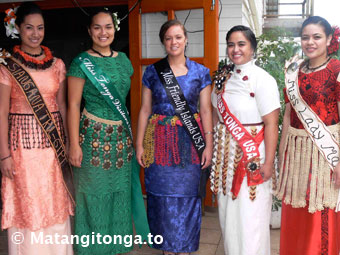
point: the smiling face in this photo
(32, 31)
(174, 41)
(102, 30)
(239, 48)
(314, 42)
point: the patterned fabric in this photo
(163, 136)
(103, 182)
(36, 198)
(321, 91)
(181, 214)
(172, 190)
(309, 233)
(302, 231)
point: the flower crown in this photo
(10, 23)
(334, 44)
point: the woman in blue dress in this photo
(165, 150)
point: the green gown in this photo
(103, 182)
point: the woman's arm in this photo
(75, 91)
(61, 101)
(215, 118)
(206, 115)
(6, 165)
(144, 113)
(271, 134)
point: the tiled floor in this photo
(210, 242)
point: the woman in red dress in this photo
(307, 185)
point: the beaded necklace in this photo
(35, 55)
(32, 62)
(103, 56)
(312, 69)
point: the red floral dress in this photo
(321, 91)
(301, 231)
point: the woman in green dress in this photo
(101, 148)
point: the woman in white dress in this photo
(246, 102)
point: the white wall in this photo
(239, 12)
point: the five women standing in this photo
(101, 149)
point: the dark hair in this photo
(318, 21)
(96, 11)
(26, 9)
(246, 32)
(167, 25)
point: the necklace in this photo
(312, 69)
(35, 55)
(31, 62)
(103, 56)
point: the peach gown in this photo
(35, 200)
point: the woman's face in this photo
(314, 41)
(32, 31)
(102, 30)
(174, 41)
(239, 48)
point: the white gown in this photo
(250, 93)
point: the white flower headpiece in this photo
(9, 20)
(116, 21)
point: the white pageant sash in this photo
(316, 129)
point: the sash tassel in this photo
(25, 129)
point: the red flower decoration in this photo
(245, 78)
(252, 94)
(238, 70)
(334, 45)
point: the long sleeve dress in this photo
(309, 224)
(36, 199)
(173, 167)
(103, 182)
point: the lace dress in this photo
(36, 197)
(103, 182)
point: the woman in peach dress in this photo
(35, 200)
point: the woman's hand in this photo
(336, 176)
(266, 171)
(139, 155)
(7, 168)
(206, 157)
(75, 155)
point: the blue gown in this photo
(173, 207)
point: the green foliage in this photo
(274, 48)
